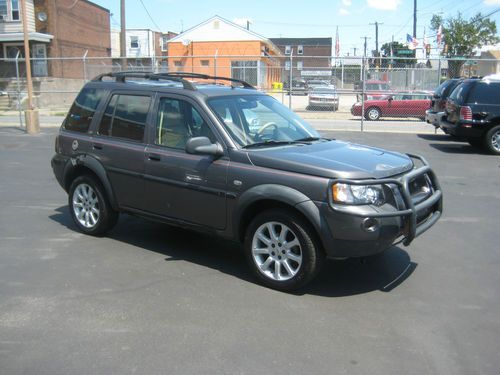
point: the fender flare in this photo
(281, 194)
(97, 168)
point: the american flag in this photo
(412, 42)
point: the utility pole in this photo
(123, 35)
(365, 38)
(376, 34)
(31, 114)
(414, 18)
(354, 48)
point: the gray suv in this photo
(233, 161)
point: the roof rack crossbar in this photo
(206, 76)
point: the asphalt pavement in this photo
(149, 298)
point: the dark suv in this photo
(435, 113)
(473, 113)
(235, 162)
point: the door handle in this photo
(154, 157)
(97, 146)
(192, 177)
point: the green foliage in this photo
(396, 46)
(464, 36)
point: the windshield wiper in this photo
(271, 143)
(311, 139)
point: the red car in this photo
(396, 105)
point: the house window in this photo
(300, 64)
(164, 40)
(216, 24)
(300, 50)
(10, 50)
(287, 65)
(177, 63)
(205, 62)
(288, 49)
(14, 8)
(134, 42)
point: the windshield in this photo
(256, 119)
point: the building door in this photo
(39, 60)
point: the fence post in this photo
(19, 91)
(215, 63)
(342, 71)
(290, 79)
(439, 71)
(363, 73)
(85, 66)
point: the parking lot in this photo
(149, 298)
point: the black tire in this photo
(308, 250)
(492, 140)
(106, 218)
(373, 114)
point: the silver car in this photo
(324, 97)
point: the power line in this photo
(149, 15)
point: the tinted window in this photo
(177, 122)
(82, 111)
(485, 93)
(125, 117)
(458, 94)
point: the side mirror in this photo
(203, 146)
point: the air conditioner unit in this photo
(3, 17)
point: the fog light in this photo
(370, 225)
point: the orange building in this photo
(222, 48)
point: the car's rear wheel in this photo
(90, 207)
(282, 251)
(492, 140)
(372, 114)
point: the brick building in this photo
(221, 47)
(312, 57)
(78, 28)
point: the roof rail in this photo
(173, 76)
(121, 77)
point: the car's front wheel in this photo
(492, 140)
(90, 207)
(282, 250)
(372, 114)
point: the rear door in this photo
(119, 144)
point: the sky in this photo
(312, 18)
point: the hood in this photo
(333, 159)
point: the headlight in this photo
(358, 194)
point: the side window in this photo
(178, 121)
(125, 117)
(82, 111)
(485, 93)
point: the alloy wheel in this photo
(86, 205)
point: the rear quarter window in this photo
(82, 111)
(485, 93)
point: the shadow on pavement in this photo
(383, 272)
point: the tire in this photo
(89, 206)
(289, 259)
(372, 114)
(492, 140)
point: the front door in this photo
(39, 60)
(179, 185)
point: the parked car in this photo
(412, 104)
(185, 155)
(313, 83)
(324, 97)
(435, 113)
(299, 87)
(473, 113)
(374, 90)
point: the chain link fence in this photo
(349, 89)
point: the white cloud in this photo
(384, 4)
(491, 2)
(348, 3)
(343, 12)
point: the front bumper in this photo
(346, 233)
(433, 118)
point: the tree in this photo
(463, 36)
(398, 61)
